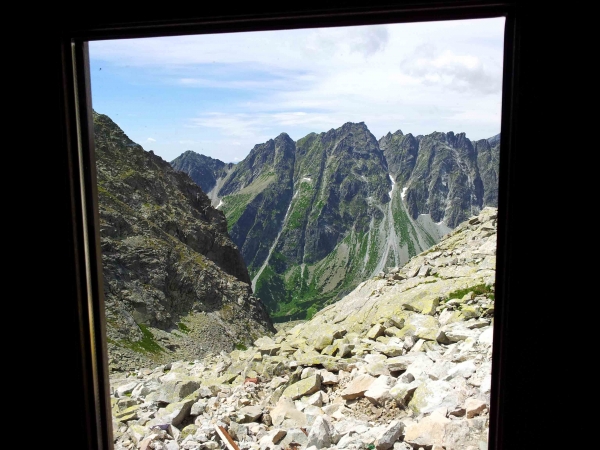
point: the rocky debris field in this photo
(403, 362)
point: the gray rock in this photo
(320, 433)
(390, 435)
(357, 387)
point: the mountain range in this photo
(315, 217)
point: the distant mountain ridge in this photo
(204, 170)
(315, 217)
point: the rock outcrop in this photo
(175, 284)
(402, 362)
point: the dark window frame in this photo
(86, 335)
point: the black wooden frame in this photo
(83, 357)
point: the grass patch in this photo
(480, 289)
(183, 328)
(300, 206)
(234, 206)
(310, 312)
(146, 345)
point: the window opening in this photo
(253, 184)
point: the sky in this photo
(221, 94)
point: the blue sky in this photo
(221, 94)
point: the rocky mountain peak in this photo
(353, 126)
(284, 136)
(390, 136)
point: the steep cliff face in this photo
(488, 161)
(445, 181)
(401, 153)
(175, 283)
(256, 197)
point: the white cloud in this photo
(238, 125)
(370, 41)
(242, 89)
(463, 73)
(151, 140)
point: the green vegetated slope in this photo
(299, 291)
(315, 217)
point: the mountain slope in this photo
(314, 218)
(175, 284)
(404, 362)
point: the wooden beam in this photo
(225, 437)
